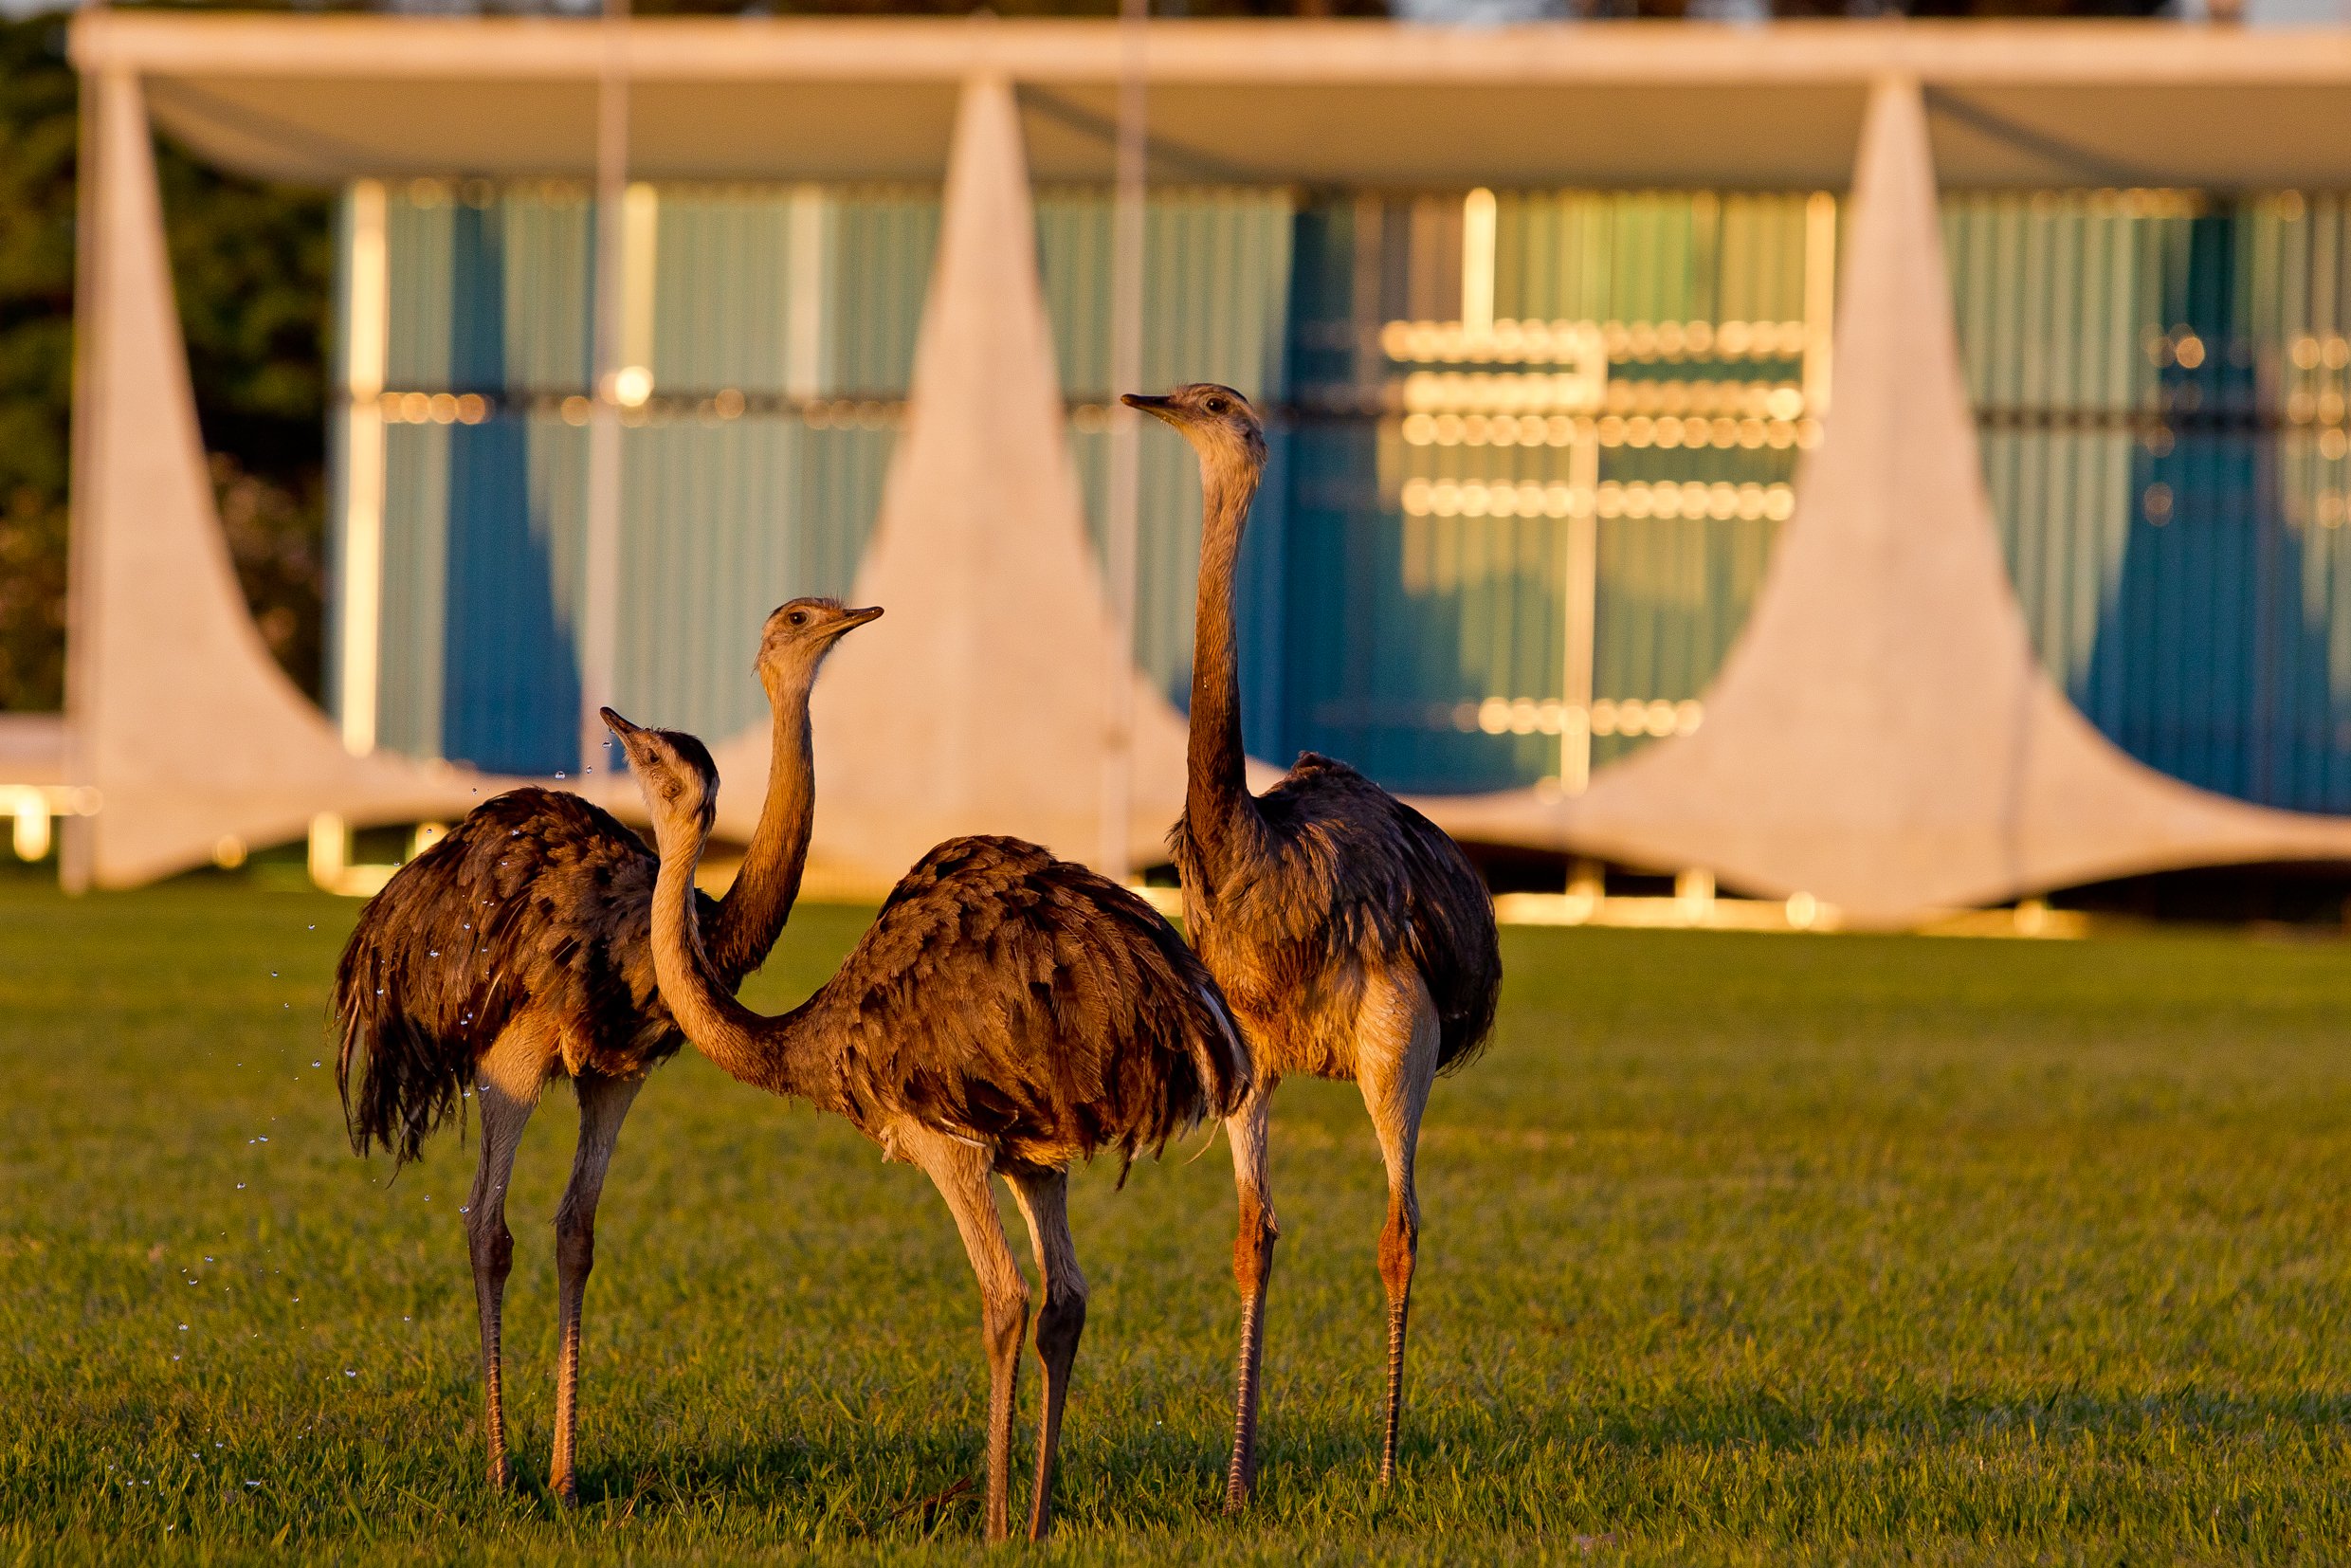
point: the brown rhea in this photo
(1005, 1012)
(1351, 936)
(517, 951)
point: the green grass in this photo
(1737, 1250)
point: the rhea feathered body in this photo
(1008, 998)
(1008, 1013)
(517, 949)
(537, 903)
(1353, 938)
(1338, 880)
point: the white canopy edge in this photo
(1344, 103)
(1234, 53)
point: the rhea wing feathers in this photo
(1026, 1003)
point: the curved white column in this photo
(1882, 736)
(978, 703)
(178, 716)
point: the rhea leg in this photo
(506, 1101)
(960, 1174)
(1395, 1062)
(603, 1105)
(1253, 1271)
(1045, 1204)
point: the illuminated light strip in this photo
(432, 408)
(33, 805)
(1773, 503)
(1477, 265)
(2333, 351)
(1618, 716)
(368, 331)
(1449, 498)
(1578, 342)
(2302, 407)
(1487, 392)
(640, 218)
(1640, 430)
(841, 414)
(1516, 392)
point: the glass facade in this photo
(1530, 453)
(2160, 378)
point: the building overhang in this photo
(324, 99)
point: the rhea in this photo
(516, 951)
(1005, 1012)
(1350, 936)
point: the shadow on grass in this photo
(907, 1487)
(1763, 1417)
(932, 1489)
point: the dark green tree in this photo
(253, 267)
(36, 359)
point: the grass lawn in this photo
(1737, 1250)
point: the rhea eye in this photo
(799, 617)
(1215, 405)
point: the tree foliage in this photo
(253, 268)
(37, 137)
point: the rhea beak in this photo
(853, 619)
(1159, 408)
(619, 727)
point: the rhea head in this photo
(799, 634)
(679, 780)
(1218, 422)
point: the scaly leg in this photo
(1253, 1271)
(603, 1105)
(960, 1174)
(506, 1099)
(1395, 1062)
(1045, 1204)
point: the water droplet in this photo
(348, 1373)
(558, 772)
(183, 1328)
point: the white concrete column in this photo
(1882, 737)
(193, 737)
(978, 704)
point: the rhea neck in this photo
(756, 907)
(1216, 799)
(776, 1054)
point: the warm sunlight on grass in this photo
(1745, 1249)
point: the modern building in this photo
(1877, 467)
